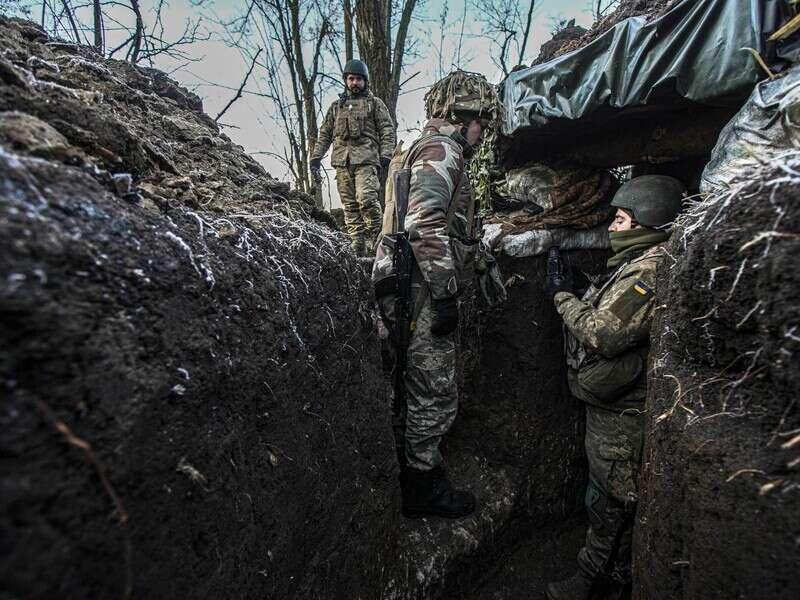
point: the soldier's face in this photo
(622, 221)
(355, 83)
(474, 133)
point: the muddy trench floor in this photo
(548, 555)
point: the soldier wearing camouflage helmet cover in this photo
(441, 226)
(363, 136)
(607, 335)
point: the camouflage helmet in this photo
(460, 96)
(653, 200)
(355, 67)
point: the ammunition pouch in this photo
(351, 119)
(606, 379)
(465, 250)
(490, 279)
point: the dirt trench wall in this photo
(516, 416)
(192, 398)
(226, 374)
(517, 410)
(720, 506)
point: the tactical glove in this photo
(445, 316)
(559, 282)
(385, 160)
(315, 164)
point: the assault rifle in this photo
(403, 265)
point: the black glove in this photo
(315, 164)
(559, 282)
(445, 316)
(385, 161)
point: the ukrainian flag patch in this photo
(642, 288)
(631, 300)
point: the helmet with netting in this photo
(462, 96)
(653, 200)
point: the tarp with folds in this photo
(767, 126)
(691, 54)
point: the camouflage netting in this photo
(720, 508)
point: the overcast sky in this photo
(250, 118)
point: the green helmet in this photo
(653, 200)
(461, 96)
(355, 67)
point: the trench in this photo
(194, 402)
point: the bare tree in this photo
(348, 30)
(140, 37)
(382, 45)
(600, 8)
(99, 43)
(504, 23)
(293, 34)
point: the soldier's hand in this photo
(315, 164)
(385, 160)
(445, 316)
(560, 282)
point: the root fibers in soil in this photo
(720, 508)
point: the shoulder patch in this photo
(631, 300)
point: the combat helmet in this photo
(462, 96)
(355, 67)
(653, 200)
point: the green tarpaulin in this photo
(691, 55)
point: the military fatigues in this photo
(607, 338)
(444, 252)
(362, 133)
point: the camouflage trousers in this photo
(614, 448)
(358, 189)
(431, 396)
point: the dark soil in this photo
(571, 38)
(65, 103)
(238, 414)
(192, 393)
(547, 555)
(720, 511)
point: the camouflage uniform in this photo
(607, 339)
(444, 265)
(362, 133)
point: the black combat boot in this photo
(429, 493)
(576, 587)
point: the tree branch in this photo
(527, 33)
(241, 87)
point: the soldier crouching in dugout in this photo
(438, 224)
(363, 138)
(607, 343)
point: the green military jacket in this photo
(360, 128)
(608, 334)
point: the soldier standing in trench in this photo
(363, 138)
(435, 221)
(607, 343)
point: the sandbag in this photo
(537, 241)
(767, 125)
